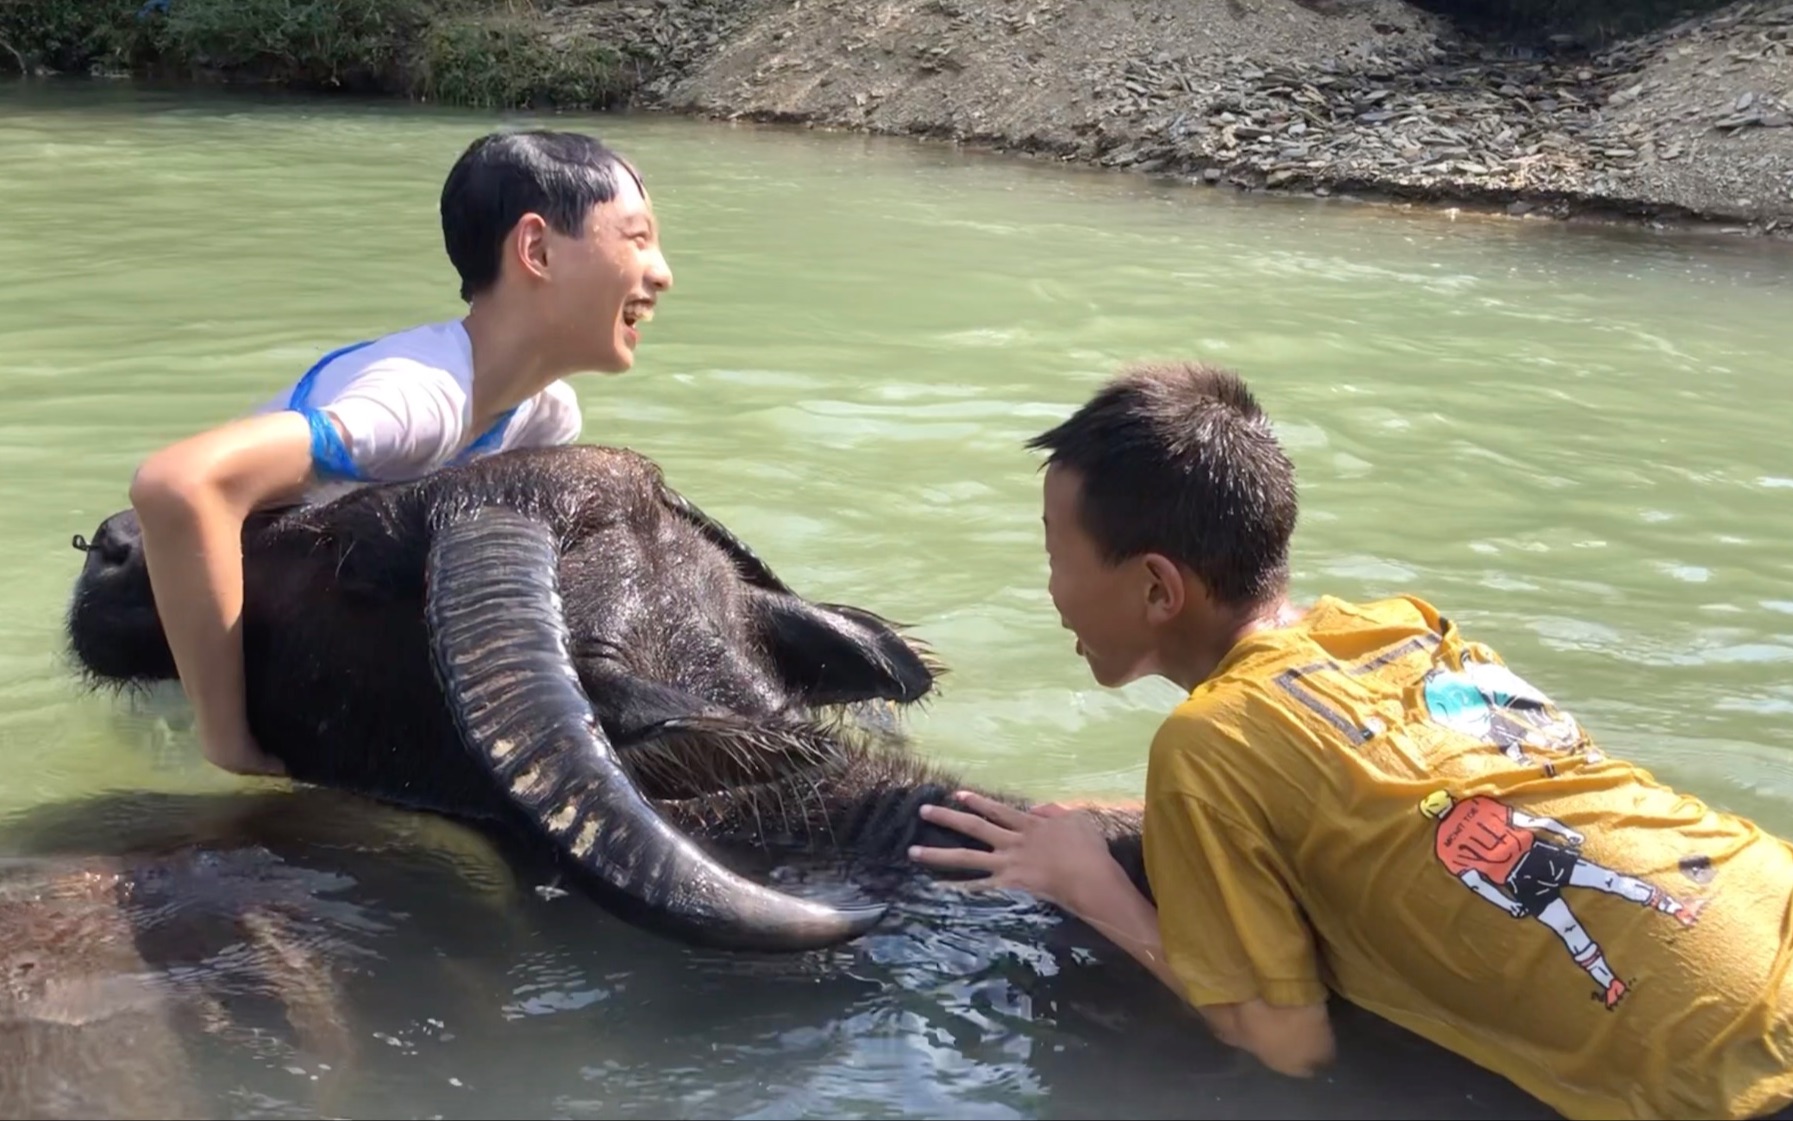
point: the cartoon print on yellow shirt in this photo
(1492, 704)
(1498, 853)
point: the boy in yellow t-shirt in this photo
(1355, 797)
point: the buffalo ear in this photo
(829, 654)
(834, 654)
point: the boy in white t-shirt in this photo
(558, 253)
(401, 402)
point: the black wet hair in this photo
(1177, 458)
(504, 175)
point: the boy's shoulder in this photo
(396, 406)
(557, 417)
(1355, 638)
(1330, 634)
(435, 357)
(443, 345)
(1270, 699)
(1223, 735)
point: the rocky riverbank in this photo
(1375, 98)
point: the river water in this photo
(1571, 439)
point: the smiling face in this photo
(627, 273)
(599, 283)
(1169, 506)
(1118, 612)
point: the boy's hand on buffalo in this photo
(1049, 851)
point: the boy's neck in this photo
(509, 365)
(1205, 644)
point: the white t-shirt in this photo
(402, 400)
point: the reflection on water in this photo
(305, 955)
(1567, 438)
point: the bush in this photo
(510, 62)
(356, 44)
(462, 52)
(69, 35)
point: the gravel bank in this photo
(1370, 97)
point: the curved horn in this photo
(500, 646)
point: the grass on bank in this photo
(490, 54)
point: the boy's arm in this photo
(191, 500)
(1290, 1039)
(395, 418)
(1234, 940)
(1058, 853)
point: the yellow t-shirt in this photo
(1368, 802)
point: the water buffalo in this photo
(556, 640)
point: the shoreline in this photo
(1488, 204)
(1688, 128)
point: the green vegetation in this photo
(65, 34)
(504, 60)
(486, 53)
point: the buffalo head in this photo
(552, 637)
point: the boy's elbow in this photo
(1297, 1057)
(231, 469)
(160, 479)
(173, 482)
(1294, 1041)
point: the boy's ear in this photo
(530, 244)
(1168, 589)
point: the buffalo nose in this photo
(118, 540)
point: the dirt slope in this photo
(1372, 96)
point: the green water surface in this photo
(1574, 441)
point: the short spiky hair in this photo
(1176, 457)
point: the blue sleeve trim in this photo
(329, 455)
(301, 395)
